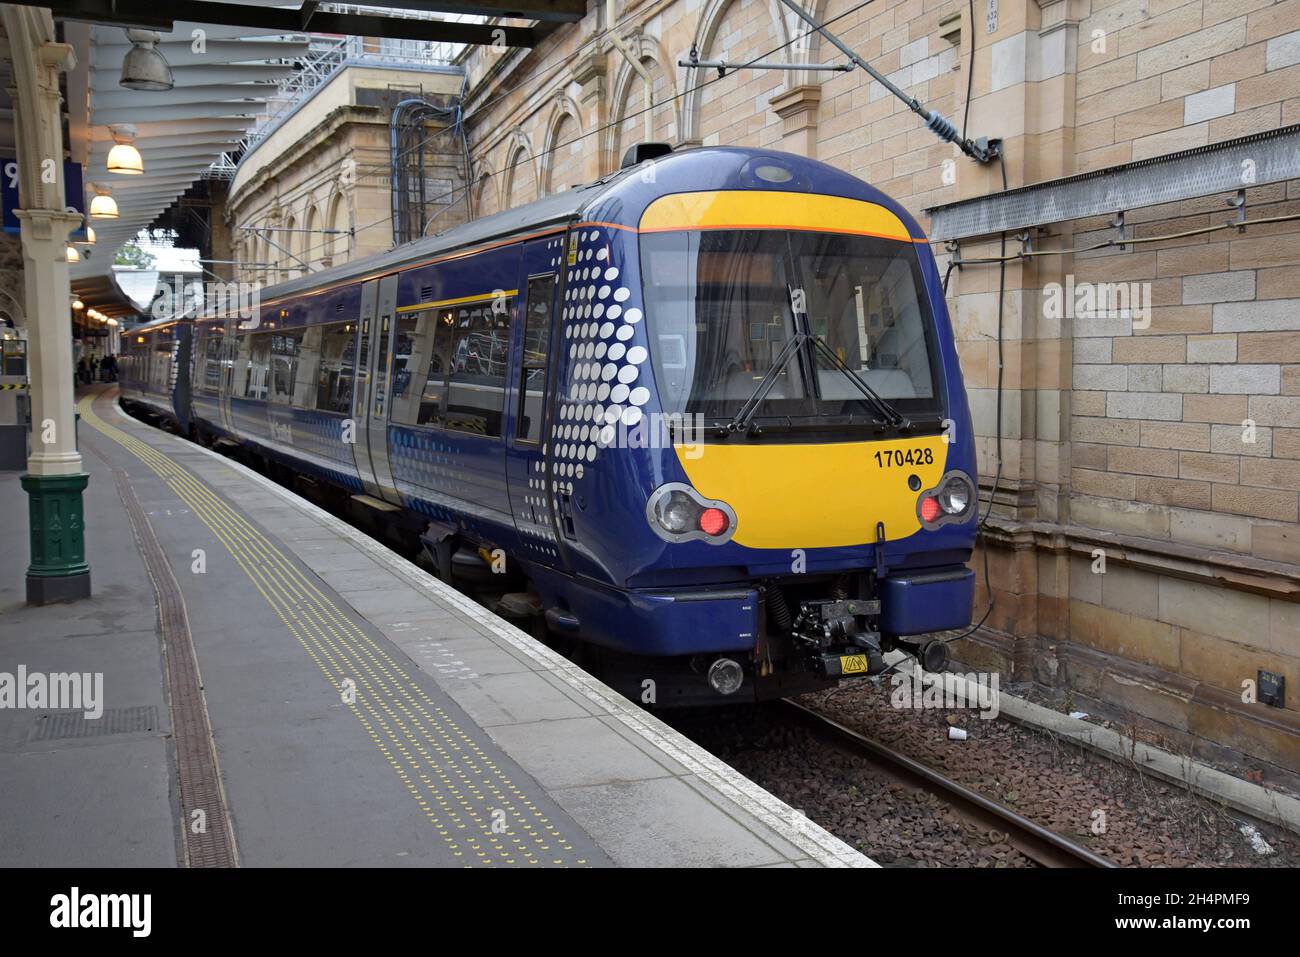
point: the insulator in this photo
(942, 127)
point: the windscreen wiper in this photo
(740, 421)
(892, 416)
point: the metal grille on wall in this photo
(1227, 167)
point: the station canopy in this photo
(226, 61)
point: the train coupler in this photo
(841, 635)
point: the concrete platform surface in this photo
(361, 712)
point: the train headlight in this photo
(952, 500)
(678, 513)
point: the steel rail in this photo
(1039, 844)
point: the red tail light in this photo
(929, 509)
(713, 521)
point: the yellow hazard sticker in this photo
(573, 249)
(853, 664)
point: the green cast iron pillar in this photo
(58, 571)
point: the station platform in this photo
(280, 690)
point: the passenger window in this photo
(161, 370)
(337, 367)
(213, 343)
(421, 349)
(537, 342)
(285, 347)
(305, 368)
(259, 362)
(476, 387)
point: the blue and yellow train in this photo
(704, 417)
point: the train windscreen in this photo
(721, 306)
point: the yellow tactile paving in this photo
(456, 785)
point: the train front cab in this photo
(801, 525)
(153, 370)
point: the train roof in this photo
(153, 325)
(619, 197)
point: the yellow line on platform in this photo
(399, 717)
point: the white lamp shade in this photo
(73, 255)
(125, 158)
(103, 206)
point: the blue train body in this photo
(709, 410)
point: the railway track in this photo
(1041, 845)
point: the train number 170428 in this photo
(898, 457)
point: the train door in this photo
(527, 439)
(370, 406)
(229, 349)
(183, 373)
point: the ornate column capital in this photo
(47, 225)
(590, 67)
(59, 57)
(797, 107)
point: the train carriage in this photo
(708, 411)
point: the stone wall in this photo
(328, 168)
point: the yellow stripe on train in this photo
(771, 209)
(818, 496)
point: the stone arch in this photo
(265, 261)
(247, 254)
(520, 172)
(290, 242)
(707, 39)
(11, 310)
(487, 191)
(310, 250)
(338, 219)
(626, 122)
(562, 165)
(814, 48)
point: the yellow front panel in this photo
(818, 496)
(771, 209)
